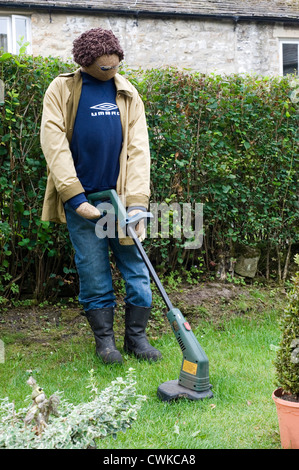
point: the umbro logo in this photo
(105, 107)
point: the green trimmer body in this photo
(193, 382)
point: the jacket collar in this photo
(121, 83)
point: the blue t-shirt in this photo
(97, 137)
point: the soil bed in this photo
(213, 302)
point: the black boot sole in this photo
(145, 356)
(112, 357)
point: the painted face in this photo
(98, 68)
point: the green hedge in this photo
(34, 256)
(229, 142)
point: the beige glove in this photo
(140, 228)
(88, 211)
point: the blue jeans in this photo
(93, 266)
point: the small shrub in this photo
(287, 362)
(75, 426)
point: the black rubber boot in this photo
(101, 322)
(136, 342)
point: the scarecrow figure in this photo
(94, 137)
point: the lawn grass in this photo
(241, 414)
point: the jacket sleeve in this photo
(55, 145)
(138, 157)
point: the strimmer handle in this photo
(124, 220)
(120, 211)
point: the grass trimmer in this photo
(193, 382)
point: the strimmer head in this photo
(193, 382)
(172, 390)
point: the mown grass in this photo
(241, 414)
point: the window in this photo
(12, 30)
(3, 34)
(289, 56)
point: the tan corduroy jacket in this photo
(59, 112)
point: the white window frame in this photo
(12, 40)
(287, 41)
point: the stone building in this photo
(231, 36)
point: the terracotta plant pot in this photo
(288, 420)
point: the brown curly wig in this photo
(95, 43)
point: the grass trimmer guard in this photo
(193, 382)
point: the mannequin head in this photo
(97, 49)
(104, 67)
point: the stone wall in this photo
(203, 45)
